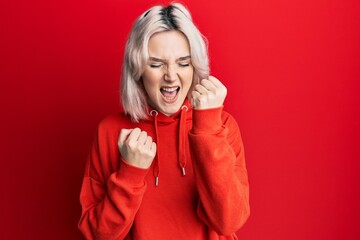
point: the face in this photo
(168, 73)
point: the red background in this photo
(292, 69)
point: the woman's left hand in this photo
(210, 93)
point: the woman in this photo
(171, 166)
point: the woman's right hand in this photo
(136, 147)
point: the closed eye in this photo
(155, 65)
(184, 64)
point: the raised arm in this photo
(218, 159)
(110, 198)
(220, 171)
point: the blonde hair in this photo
(157, 19)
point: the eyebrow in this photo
(155, 59)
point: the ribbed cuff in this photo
(207, 120)
(131, 174)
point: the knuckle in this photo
(204, 97)
(132, 145)
(224, 89)
(122, 130)
(142, 150)
(202, 100)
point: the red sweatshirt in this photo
(202, 190)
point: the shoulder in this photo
(114, 122)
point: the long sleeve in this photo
(111, 193)
(220, 172)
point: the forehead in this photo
(168, 45)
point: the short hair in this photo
(157, 19)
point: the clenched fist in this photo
(209, 93)
(136, 147)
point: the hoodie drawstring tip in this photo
(183, 171)
(156, 181)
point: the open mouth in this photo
(169, 93)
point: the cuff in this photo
(131, 174)
(207, 120)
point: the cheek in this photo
(188, 77)
(151, 80)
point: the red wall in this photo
(292, 69)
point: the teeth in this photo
(169, 89)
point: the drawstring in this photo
(182, 143)
(156, 169)
(182, 139)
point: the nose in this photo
(171, 73)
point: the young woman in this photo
(171, 166)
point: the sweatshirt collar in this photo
(163, 119)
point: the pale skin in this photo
(172, 47)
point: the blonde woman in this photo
(171, 165)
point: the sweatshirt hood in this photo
(160, 119)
